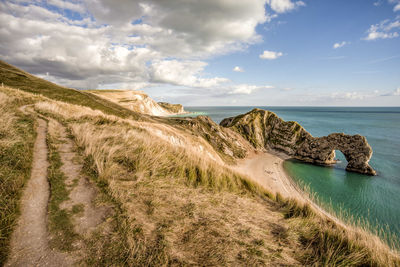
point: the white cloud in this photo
(187, 28)
(127, 43)
(270, 17)
(353, 95)
(283, 6)
(77, 7)
(383, 30)
(396, 3)
(341, 44)
(246, 89)
(270, 55)
(184, 73)
(394, 93)
(380, 35)
(238, 69)
(392, 25)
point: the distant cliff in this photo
(265, 130)
(138, 101)
(174, 108)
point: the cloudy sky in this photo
(213, 52)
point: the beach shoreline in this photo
(266, 168)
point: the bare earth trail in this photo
(82, 191)
(29, 241)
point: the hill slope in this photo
(17, 78)
(139, 102)
(174, 199)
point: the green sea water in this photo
(375, 199)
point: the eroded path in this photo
(29, 241)
(82, 192)
(32, 238)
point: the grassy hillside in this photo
(174, 204)
(17, 136)
(17, 78)
(177, 208)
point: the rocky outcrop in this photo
(174, 108)
(229, 144)
(265, 130)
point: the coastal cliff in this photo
(174, 108)
(139, 101)
(265, 130)
(229, 144)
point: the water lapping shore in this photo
(374, 199)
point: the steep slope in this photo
(181, 208)
(138, 101)
(178, 203)
(14, 77)
(264, 129)
(174, 108)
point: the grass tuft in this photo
(60, 220)
(17, 136)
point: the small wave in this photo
(189, 114)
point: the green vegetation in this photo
(60, 220)
(78, 209)
(154, 169)
(328, 244)
(172, 205)
(17, 138)
(14, 77)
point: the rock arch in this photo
(265, 130)
(321, 150)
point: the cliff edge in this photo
(265, 130)
(174, 108)
(138, 101)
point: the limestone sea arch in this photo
(265, 130)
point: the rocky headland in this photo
(265, 130)
(174, 108)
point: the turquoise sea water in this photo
(375, 199)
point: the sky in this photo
(213, 52)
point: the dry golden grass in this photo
(330, 242)
(181, 208)
(16, 145)
(177, 206)
(156, 131)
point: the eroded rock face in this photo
(265, 130)
(174, 108)
(229, 144)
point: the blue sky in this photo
(186, 51)
(310, 63)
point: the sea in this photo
(372, 200)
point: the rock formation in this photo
(229, 144)
(174, 108)
(265, 130)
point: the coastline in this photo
(266, 169)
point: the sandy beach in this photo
(266, 168)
